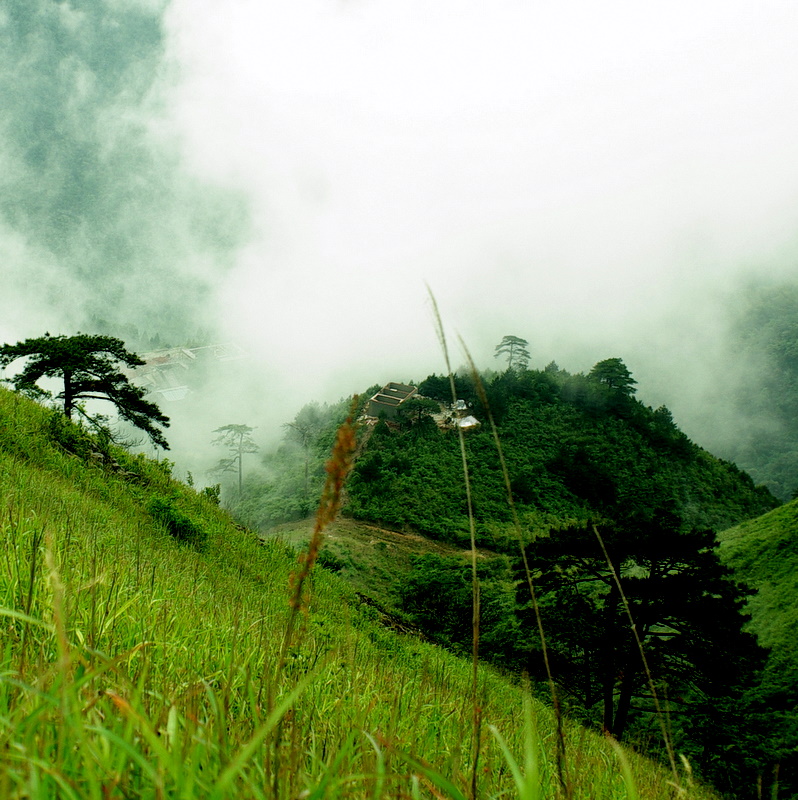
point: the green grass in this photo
(764, 554)
(136, 665)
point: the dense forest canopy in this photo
(576, 446)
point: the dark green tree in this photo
(685, 606)
(515, 350)
(417, 409)
(437, 595)
(89, 368)
(687, 613)
(613, 373)
(238, 441)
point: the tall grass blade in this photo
(626, 770)
(555, 700)
(435, 778)
(27, 619)
(380, 776)
(527, 782)
(321, 790)
(475, 594)
(241, 758)
(128, 749)
(652, 688)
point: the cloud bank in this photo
(99, 219)
(570, 174)
(598, 180)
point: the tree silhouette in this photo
(613, 373)
(304, 431)
(686, 607)
(515, 350)
(88, 367)
(237, 439)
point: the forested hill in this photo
(576, 447)
(579, 449)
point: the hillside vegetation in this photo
(575, 448)
(142, 634)
(765, 551)
(584, 459)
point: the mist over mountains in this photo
(603, 183)
(99, 216)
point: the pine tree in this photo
(89, 368)
(515, 350)
(614, 374)
(685, 607)
(238, 441)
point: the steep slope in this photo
(764, 554)
(141, 641)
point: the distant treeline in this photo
(764, 345)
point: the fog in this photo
(601, 180)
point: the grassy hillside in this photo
(140, 657)
(764, 553)
(371, 559)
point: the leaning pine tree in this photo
(89, 369)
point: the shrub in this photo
(330, 561)
(176, 522)
(70, 436)
(212, 493)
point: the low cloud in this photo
(291, 177)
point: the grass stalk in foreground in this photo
(655, 696)
(475, 612)
(555, 700)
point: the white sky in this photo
(584, 175)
